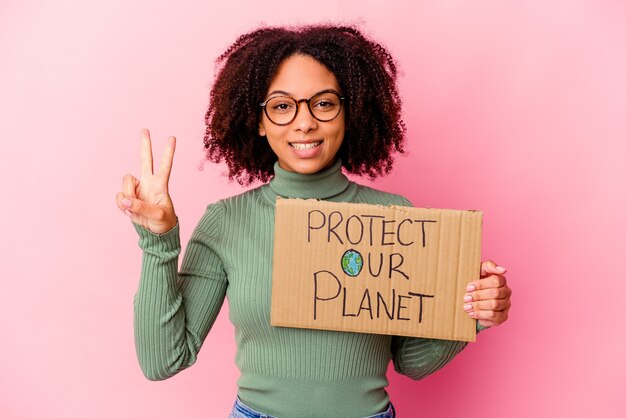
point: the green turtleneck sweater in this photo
(286, 372)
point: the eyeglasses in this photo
(324, 106)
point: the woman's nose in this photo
(304, 120)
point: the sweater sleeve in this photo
(419, 357)
(174, 311)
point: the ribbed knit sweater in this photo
(285, 372)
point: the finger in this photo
(118, 199)
(490, 267)
(486, 324)
(486, 294)
(141, 208)
(167, 159)
(146, 153)
(488, 305)
(497, 317)
(123, 203)
(488, 282)
(129, 185)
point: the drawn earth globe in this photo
(352, 262)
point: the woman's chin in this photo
(307, 165)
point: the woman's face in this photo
(305, 145)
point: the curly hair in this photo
(366, 73)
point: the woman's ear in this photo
(261, 129)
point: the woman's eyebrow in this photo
(283, 92)
(279, 91)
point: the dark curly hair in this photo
(366, 73)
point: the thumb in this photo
(139, 207)
(489, 267)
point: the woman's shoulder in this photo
(370, 195)
(243, 196)
(236, 202)
(230, 210)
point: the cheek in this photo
(338, 134)
(341, 127)
(275, 138)
(274, 133)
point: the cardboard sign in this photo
(375, 269)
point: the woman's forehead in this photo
(302, 76)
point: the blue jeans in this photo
(241, 410)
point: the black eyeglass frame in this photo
(308, 105)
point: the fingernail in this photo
(126, 211)
(126, 202)
(467, 307)
(471, 288)
(467, 298)
(501, 269)
(471, 313)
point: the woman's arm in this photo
(420, 357)
(488, 300)
(174, 311)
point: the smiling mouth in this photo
(305, 146)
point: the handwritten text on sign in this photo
(368, 268)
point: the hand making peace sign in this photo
(147, 201)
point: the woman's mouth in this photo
(305, 146)
(310, 149)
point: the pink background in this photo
(513, 108)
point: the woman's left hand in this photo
(488, 299)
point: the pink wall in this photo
(513, 108)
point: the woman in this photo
(292, 106)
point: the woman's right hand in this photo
(147, 201)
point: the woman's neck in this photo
(324, 184)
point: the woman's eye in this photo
(325, 104)
(282, 107)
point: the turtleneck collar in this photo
(326, 184)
